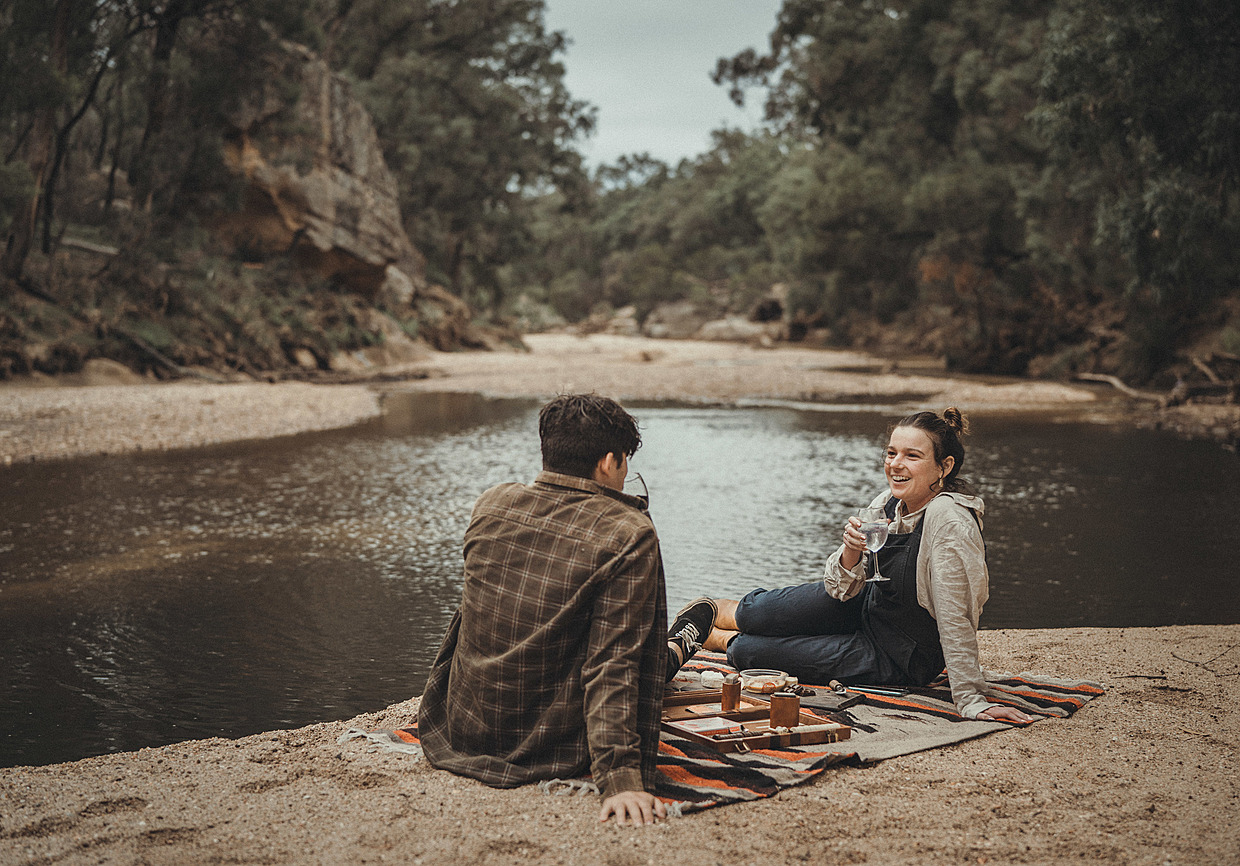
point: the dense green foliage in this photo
(1142, 114)
(651, 235)
(1007, 183)
(1019, 185)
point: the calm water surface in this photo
(148, 599)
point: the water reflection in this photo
(152, 598)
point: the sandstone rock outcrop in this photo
(317, 188)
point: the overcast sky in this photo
(646, 66)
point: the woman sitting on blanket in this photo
(903, 631)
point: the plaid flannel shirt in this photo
(555, 661)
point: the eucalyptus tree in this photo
(1142, 109)
(50, 69)
(56, 69)
(912, 158)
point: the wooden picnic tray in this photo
(697, 715)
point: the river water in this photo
(147, 599)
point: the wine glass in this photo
(874, 526)
(636, 477)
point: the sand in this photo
(636, 368)
(1145, 774)
(77, 421)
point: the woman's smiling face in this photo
(912, 472)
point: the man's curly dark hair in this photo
(578, 430)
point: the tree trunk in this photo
(38, 149)
(456, 265)
(141, 175)
(61, 152)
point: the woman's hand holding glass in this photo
(855, 541)
(866, 531)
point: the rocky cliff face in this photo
(317, 189)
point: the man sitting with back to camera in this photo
(556, 660)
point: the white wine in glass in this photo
(874, 526)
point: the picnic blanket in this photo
(695, 777)
(885, 726)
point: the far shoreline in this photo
(66, 418)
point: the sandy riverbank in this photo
(636, 368)
(1146, 774)
(59, 418)
(48, 423)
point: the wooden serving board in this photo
(747, 728)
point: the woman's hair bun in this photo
(955, 419)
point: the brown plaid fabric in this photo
(556, 660)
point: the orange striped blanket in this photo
(696, 777)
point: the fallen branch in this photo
(28, 286)
(1206, 664)
(1119, 385)
(160, 358)
(1205, 368)
(87, 246)
(165, 361)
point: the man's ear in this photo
(609, 471)
(606, 465)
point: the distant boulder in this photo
(679, 320)
(621, 322)
(103, 371)
(738, 329)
